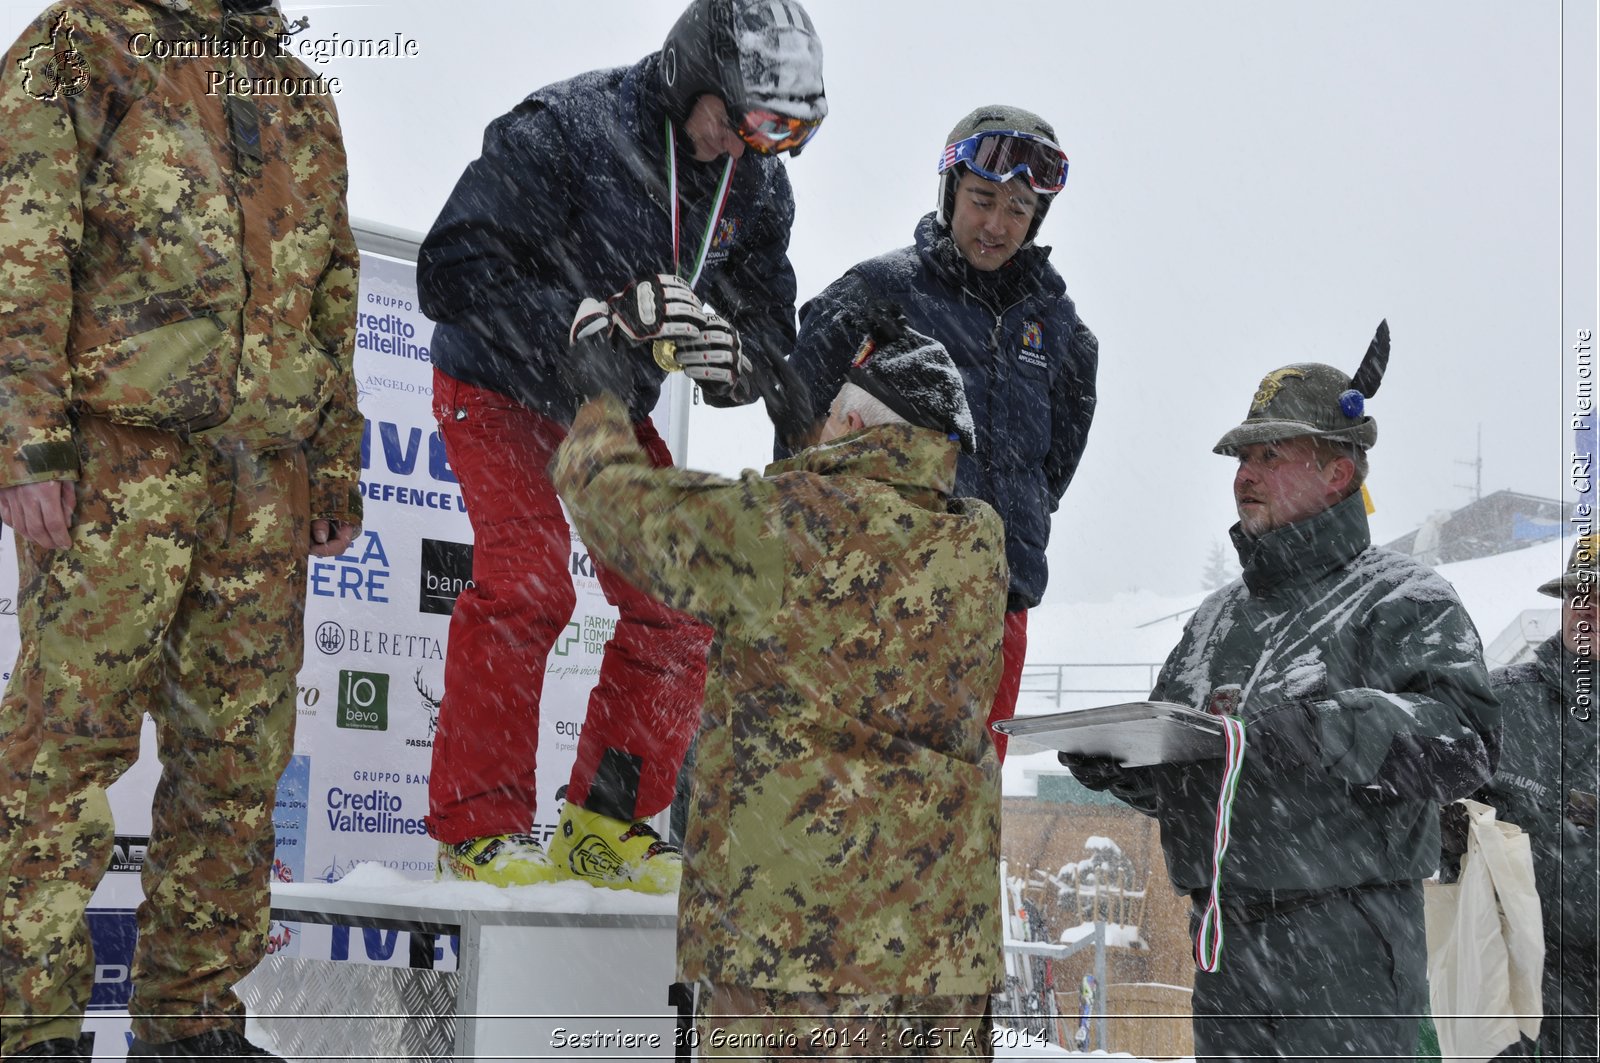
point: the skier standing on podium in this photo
(638, 190)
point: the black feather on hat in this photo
(1312, 399)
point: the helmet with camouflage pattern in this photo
(1312, 399)
(1583, 570)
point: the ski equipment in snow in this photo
(1087, 992)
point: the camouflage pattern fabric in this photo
(177, 320)
(182, 596)
(152, 272)
(733, 1023)
(845, 827)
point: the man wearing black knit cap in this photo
(840, 855)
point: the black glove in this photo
(1453, 824)
(1453, 827)
(1285, 736)
(1580, 810)
(658, 307)
(713, 360)
(787, 398)
(593, 363)
(1097, 773)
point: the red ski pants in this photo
(645, 708)
(1014, 650)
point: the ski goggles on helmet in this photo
(769, 132)
(1001, 155)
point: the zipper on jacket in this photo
(999, 372)
(999, 315)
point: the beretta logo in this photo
(330, 637)
(446, 572)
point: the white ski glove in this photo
(660, 306)
(713, 360)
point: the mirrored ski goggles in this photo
(1001, 155)
(769, 132)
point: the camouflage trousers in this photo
(732, 1022)
(182, 596)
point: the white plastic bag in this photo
(1486, 943)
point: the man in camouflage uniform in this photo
(177, 319)
(1360, 681)
(842, 846)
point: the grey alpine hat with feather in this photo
(1312, 399)
(1583, 570)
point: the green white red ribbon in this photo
(711, 222)
(1208, 943)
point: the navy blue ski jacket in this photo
(570, 199)
(1027, 360)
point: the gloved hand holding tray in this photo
(1133, 733)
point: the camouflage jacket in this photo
(151, 271)
(845, 829)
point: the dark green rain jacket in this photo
(1385, 652)
(1547, 775)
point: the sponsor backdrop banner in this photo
(377, 625)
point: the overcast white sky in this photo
(1252, 183)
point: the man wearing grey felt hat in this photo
(1360, 682)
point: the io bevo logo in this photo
(446, 572)
(363, 700)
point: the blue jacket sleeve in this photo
(826, 344)
(492, 262)
(1072, 404)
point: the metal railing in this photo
(1054, 681)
